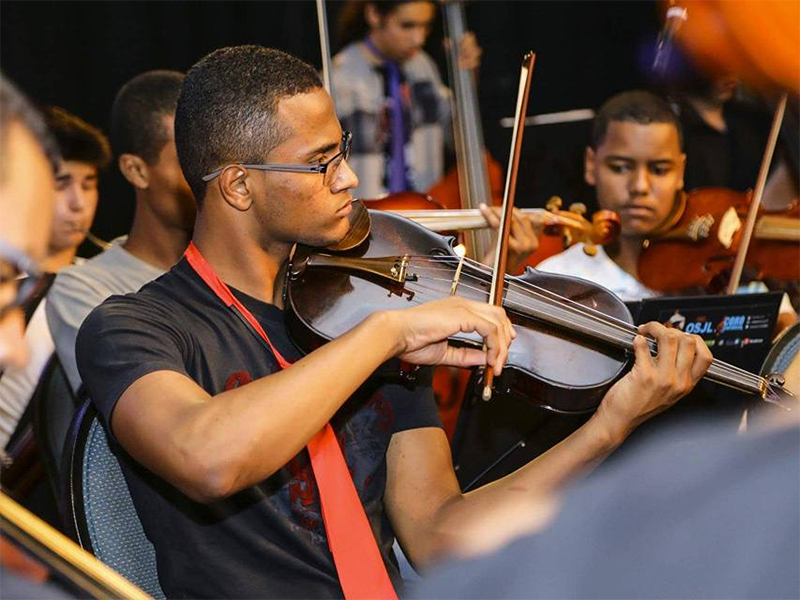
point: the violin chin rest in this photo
(359, 229)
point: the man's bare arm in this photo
(211, 447)
(423, 498)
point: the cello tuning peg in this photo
(554, 203)
(579, 208)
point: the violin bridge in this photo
(457, 275)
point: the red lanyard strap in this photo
(359, 564)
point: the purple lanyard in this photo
(398, 176)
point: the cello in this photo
(478, 178)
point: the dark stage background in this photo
(77, 54)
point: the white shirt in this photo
(599, 269)
(18, 384)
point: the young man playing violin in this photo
(232, 448)
(635, 163)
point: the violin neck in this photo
(473, 173)
(470, 219)
(783, 229)
(565, 314)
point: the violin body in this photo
(328, 294)
(701, 246)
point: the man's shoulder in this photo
(350, 58)
(112, 272)
(421, 66)
(158, 301)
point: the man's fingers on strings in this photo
(666, 341)
(641, 352)
(702, 358)
(491, 216)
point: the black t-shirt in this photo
(267, 541)
(729, 158)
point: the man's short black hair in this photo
(227, 108)
(78, 140)
(137, 116)
(637, 106)
(16, 108)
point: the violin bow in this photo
(755, 203)
(504, 231)
(324, 47)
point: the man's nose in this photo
(77, 198)
(640, 182)
(418, 37)
(346, 179)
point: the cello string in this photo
(595, 317)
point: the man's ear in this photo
(682, 167)
(372, 16)
(589, 168)
(235, 188)
(135, 170)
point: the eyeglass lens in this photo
(336, 161)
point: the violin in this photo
(574, 338)
(704, 235)
(571, 224)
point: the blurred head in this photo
(398, 29)
(253, 105)
(142, 137)
(28, 156)
(84, 152)
(635, 161)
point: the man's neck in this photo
(240, 260)
(625, 253)
(710, 111)
(153, 241)
(58, 260)
(375, 52)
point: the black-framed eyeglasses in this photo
(328, 168)
(18, 268)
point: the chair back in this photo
(97, 506)
(54, 405)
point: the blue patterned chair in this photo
(97, 507)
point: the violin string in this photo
(606, 321)
(595, 317)
(625, 341)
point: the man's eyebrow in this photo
(323, 149)
(620, 157)
(63, 176)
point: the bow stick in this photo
(504, 232)
(324, 46)
(755, 203)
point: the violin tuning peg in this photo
(589, 249)
(579, 208)
(554, 203)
